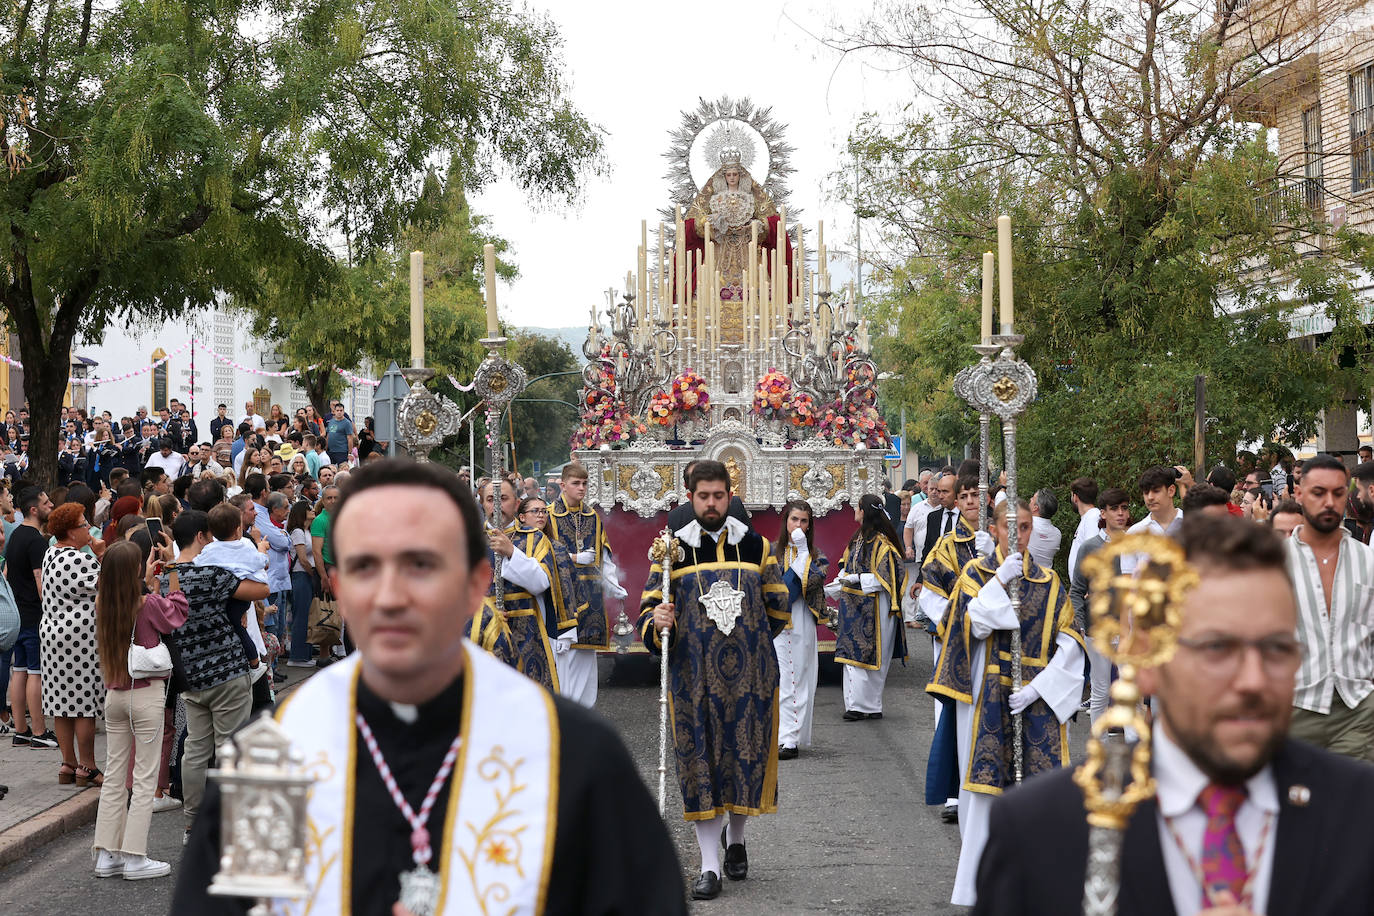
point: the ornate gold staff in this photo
(664, 551)
(1134, 621)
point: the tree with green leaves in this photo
(1148, 245)
(160, 156)
(544, 414)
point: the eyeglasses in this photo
(1220, 655)
(535, 512)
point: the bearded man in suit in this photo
(1245, 820)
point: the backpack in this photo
(9, 616)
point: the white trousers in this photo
(863, 689)
(908, 602)
(577, 675)
(973, 806)
(1099, 678)
(798, 668)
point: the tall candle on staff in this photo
(1004, 270)
(489, 268)
(417, 308)
(988, 270)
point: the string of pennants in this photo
(204, 348)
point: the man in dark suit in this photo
(941, 521)
(1265, 823)
(683, 513)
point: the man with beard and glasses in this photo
(1245, 820)
(722, 607)
(1333, 576)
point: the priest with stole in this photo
(978, 677)
(445, 782)
(722, 607)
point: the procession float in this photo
(727, 344)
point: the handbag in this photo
(324, 624)
(146, 663)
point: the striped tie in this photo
(1223, 858)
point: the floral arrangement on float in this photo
(801, 409)
(662, 411)
(690, 397)
(605, 419)
(854, 418)
(772, 395)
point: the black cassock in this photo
(612, 852)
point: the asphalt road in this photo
(852, 833)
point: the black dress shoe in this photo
(787, 753)
(853, 716)
(706, 886)
(874, 715)
(950, 815)
(736, 862)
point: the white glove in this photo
(1022, 698)
(984, 544)
(853, 579)
(798, 536)
(564, 643)
(585, 557)
(1010, 569)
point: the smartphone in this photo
(155, 531)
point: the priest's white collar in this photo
(691, 533)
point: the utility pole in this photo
(1200, 426)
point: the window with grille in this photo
(1313, 191)
(1362, 129)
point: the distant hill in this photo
(573, 337)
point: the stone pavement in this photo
(38, 810)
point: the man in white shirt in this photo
(201, 460)
(1333, 577)
(1083, 494)
(173, 463)
(1158, 487)
(1045, 536)
(252, 416)
(940, 495)
(1246, 819)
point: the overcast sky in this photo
(634, 68)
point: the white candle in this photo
(1004, 270)
(988, 270)
(417, 308)
(489, 267)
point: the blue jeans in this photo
(302, 593)
(276, 623)
(4, 680)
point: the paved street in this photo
(851, 834)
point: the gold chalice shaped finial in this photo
(1133, 620)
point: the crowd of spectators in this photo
(217, 543)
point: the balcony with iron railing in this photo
(1294, 200)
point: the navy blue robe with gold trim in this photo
(1045, 612)
(860, 632)
(724, 689)
(593, 629)
(488, 630)
(939, 576)
(524, 613)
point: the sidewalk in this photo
(38, 810)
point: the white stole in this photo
(497, 846)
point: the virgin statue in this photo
(739, 211)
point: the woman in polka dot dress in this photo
(73, 692)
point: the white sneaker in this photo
(138, 867)
(293, 664)
(166, 803)
(108, 864)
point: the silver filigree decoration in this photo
(499, 381)
(727, 142)
(424, 419)
(722, 605)
(1004, 386)
(646, 482)
(818, 480)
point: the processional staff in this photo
(1134, 622)
(1004, 386)
(665, 550)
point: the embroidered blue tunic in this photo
(723, 688)
(524, 613)
(577, 531)
(857, 642)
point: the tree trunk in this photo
(316, 385)
(45, 383)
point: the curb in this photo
(41, 829)
(65, 817)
